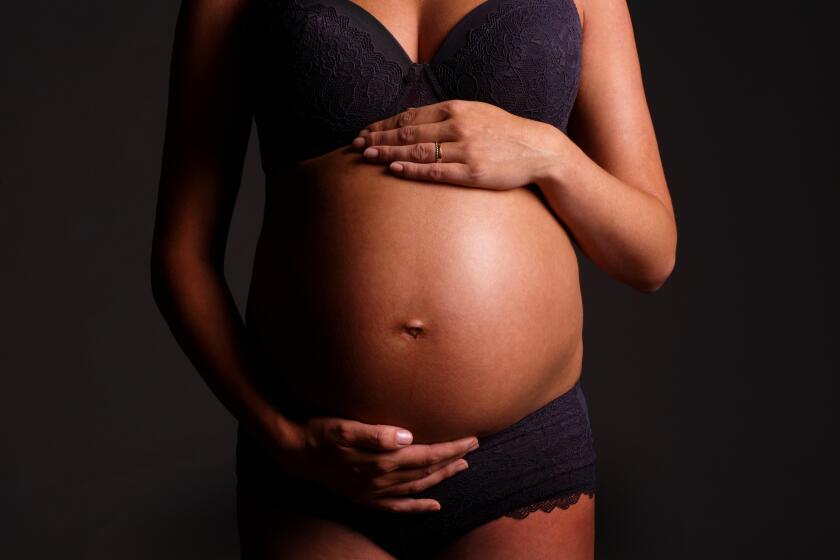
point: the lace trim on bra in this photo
(563, 502)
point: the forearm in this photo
(625, 231)
(196, 302)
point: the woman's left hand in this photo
(481, 145)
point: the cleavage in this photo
(437, 12)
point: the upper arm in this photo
(207, 129)
(611, 121)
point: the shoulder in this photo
(601, 13)
(216, 11)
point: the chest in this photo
(332, 65)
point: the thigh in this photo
(561, 534)
(271, 534)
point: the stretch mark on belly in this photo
(413, 329)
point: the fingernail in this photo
(363, 132)
(358, 142)
(463, 465)
(474, 446)
(397, 167)
(404, 437)
(371, 152)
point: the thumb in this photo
(373, 436)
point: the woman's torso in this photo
(445, 309)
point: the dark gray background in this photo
(712, 400)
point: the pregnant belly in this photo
(447, 310)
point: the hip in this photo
(546, 459)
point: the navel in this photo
(413, 329)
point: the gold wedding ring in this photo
(437, 151)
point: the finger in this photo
(421, 484)
(406, 505)
(423, 152)
(433, 112)
(459, 173)
(422, 455)
(412, 134)
(352, 433)
(396, 504)
(406, 475)
(376, 463)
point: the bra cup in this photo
(524, 59)
(322, 78)
(325, 72)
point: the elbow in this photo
(656, 276)
(164, 268)
(656, 271)
(158, 279)
(176, 270)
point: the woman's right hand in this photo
(367, 464)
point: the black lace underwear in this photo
(543, 461)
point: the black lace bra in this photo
(327, 68)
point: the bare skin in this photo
(428, 298)
(414, 330)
